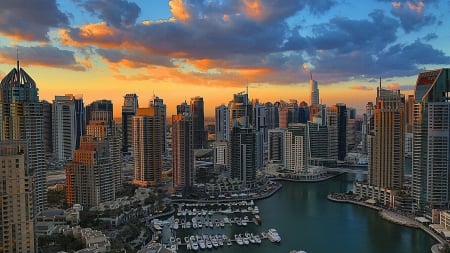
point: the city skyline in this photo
(182, 49)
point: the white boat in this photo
(238, 239)
(193, 242)
(273, 235)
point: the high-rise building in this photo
(89, 177)
(239, 107)
(47, 128)
(183, 108)
(367, 126)
(182, 151)
(294, 148)
(314, 97)
(159, 103)
(337, 129)
(129, 108)
(409, 113)
(21, 119)
(102, 126)
(386, 156)
(80, 117)
(243, 152)
(147, 146)
(198, 123)
(222, 156)
(64, 128)
(16, 182)
(276, 145)
(272, 116)
(431, 141)
(100, 110)
(222, 124)
(288, 113)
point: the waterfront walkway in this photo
(390, 216)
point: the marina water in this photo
(306, 220)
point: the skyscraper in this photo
(47, 128)
(147, 146)
(222, 124)
(159, 103)
(314, 97)
(239, 107)
(89, 177)
(21, 119)
(129, 108)
(101, 125)
(386, 156)
(182, 151)
(337, 129)
(431, 141)
(276, 145)
(198, 123)
(64, 128)
(243, 152)
(16, 182)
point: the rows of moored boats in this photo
(205, 241)
(208, 222)
(229, 208)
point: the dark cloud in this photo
(30, 20)
(430, 36)
(135, 57)
(219, 39)
(42, 56)
(412, 16)
(118, 13)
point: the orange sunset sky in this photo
(180, 49)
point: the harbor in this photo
(200, 226)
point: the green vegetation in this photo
(59, 242)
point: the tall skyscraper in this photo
(367, 126)
(129, 108)
(89, 177)
(337, 129)
(314, 97)
(222, 124)
(16, 182)
(159, 103)
(47, 128)
(21, 119)
(64, 128)
(182, 151)
(239, 107)
(243, 152)
(294, 148)
(198, 122)
(80, 117)
(276, 146)
(386, 156)
(147, 146)
(272, 116)
(431, 141)
(102, 126)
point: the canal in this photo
(307, 221)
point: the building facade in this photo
(148, 146)
(431, 141)
(129, 108)
(16, 184)
(21, 119)
(182, 151)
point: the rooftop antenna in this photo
(17, 57)
(380, 82)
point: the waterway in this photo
(306, 220)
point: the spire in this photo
(310, 75)
(380, 82)
(17, 57)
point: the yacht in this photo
(273, 235)
(194, 243)
(238, 239)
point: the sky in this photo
(178, 49)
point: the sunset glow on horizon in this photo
(178, 49)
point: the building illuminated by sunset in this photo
(129, 108)
(16, 182)
(431, 141)
(182, 151)
(21, 119)
(89, 176)
(64, 127)
(148, 146)
(386, 155)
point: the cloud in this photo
(430, 36)
(411, 15)
(229, 42)
(117, 13)
(47, 56)
(30, 20)
(361, 87)
(393, 86)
